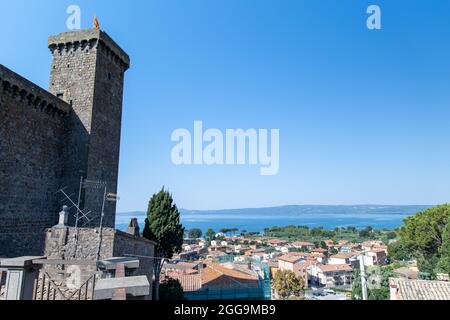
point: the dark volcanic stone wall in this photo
(32, 140)
(88, 72)
(60, 243)
(49, 140)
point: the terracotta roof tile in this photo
(335, 267)
(421, 289)
(292, 258)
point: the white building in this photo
(375, 258)
(350, 259)
(288, 262)
(332, 275)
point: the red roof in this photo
(335, 267)
(302, 244)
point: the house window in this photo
(60, 95)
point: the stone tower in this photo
(87, 72)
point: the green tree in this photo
(382, 291)
(195, 233)
(323, 245)
(226, 231)
(398, 252)
(366, 232)
(357, 288)
(444, 251)
(234, 231)
(390, 235)
(334, 251)
(378, 290)
(163, 227)
(171, 290)
(210, 235)
(422, 236)
(287, 284)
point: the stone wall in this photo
(126, 244)
(69, 243)
(88, 72)
(61, 243)
(49, 140)
(32, 141)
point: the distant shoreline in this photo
(256, 220)
(375, 207)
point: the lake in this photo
(256, 220)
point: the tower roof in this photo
(73, 37)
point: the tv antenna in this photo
(84, 216)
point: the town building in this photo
(375, 257)
(404, 289)
(301, 245)
(288, 262)
(213, 281)
(350, 259)
(331, 276)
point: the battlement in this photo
(87, 40)
(50, 139)
(20, 88)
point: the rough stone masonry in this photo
(50, 139)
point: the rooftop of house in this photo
(335, 268)
(420, 289)
(217, 276)
(291, 258)
(214, 276)
(304, 265)
(273, 263)
(258, 250)
(189, 282)
(217, 254)
(277, 241)
(378, 251)
(343, 256)
(181, 266)
(302, 244)
(407, 273)
(317, 255)
(372, 243)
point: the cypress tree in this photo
(163, 227)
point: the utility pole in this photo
(77, 218)
(79, 202)
(363, 277)
(100, 232)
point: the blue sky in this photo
(363, 115)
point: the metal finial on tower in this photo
(96, 24)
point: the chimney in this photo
(133, 228)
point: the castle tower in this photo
(88, 73)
